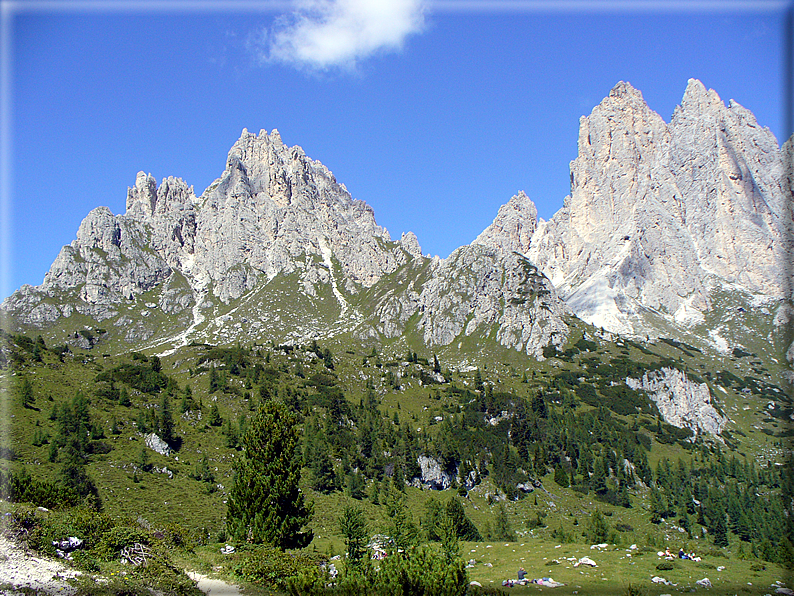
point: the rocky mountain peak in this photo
(142, 197)
(659, 214)
(624, 90)
(660, 217)
(513, 227)
(697, 97)
(410, 243)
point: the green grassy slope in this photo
(391, 393)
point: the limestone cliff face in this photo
(681, 401)
(660, 217)
(486, 290)
(275, 213)
(513, 227)
(490, 287)
(730, 173)
(660, 214)
(272, 211)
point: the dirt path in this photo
(21, 569)
(214, 587)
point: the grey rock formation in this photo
(490, 288)
(486, 291)
(513, 227)
(433, 476)
(272, 212)
(155, 443)
(659, 218)
(681, 402)
(659, 215)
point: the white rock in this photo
(433, 476)
(155, 443)
(660, 213)
(681, 402)
(587, 561)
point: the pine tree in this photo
(265, 503)
(598, 481)
(502, 528)
(478, 385)
(215, 416)
(353, 527)
(73, 474)
(124, 398)
(597, 528)
(203, 473)
(450, 544)
(232, 438)
(560, 476)
(319, 461)
(26, 393)
(328, 359)
(143, 459)
(719, 530)
(166, 421)
(463, 526)
(401, 528)
(355, 485)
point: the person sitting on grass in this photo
(521, 573)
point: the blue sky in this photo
(434, 113)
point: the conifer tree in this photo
(124, 397)
(215, 416)
(463, 526)
(73, 474)
(502, 530)
(560, 476)
(478, 385)
(401, 528)
(166, 421)
(719, 530)
(26, 393)
(265, 503)
(353, 527)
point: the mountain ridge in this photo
(661, 217)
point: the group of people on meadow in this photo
(523, 581)
(681, 555)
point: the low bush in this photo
(273, 568)
(119, 537)
(666, 566)
(86, 524)
(421, 571)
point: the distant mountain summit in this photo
(669, 230)
(660, 215)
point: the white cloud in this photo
(322, 34)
